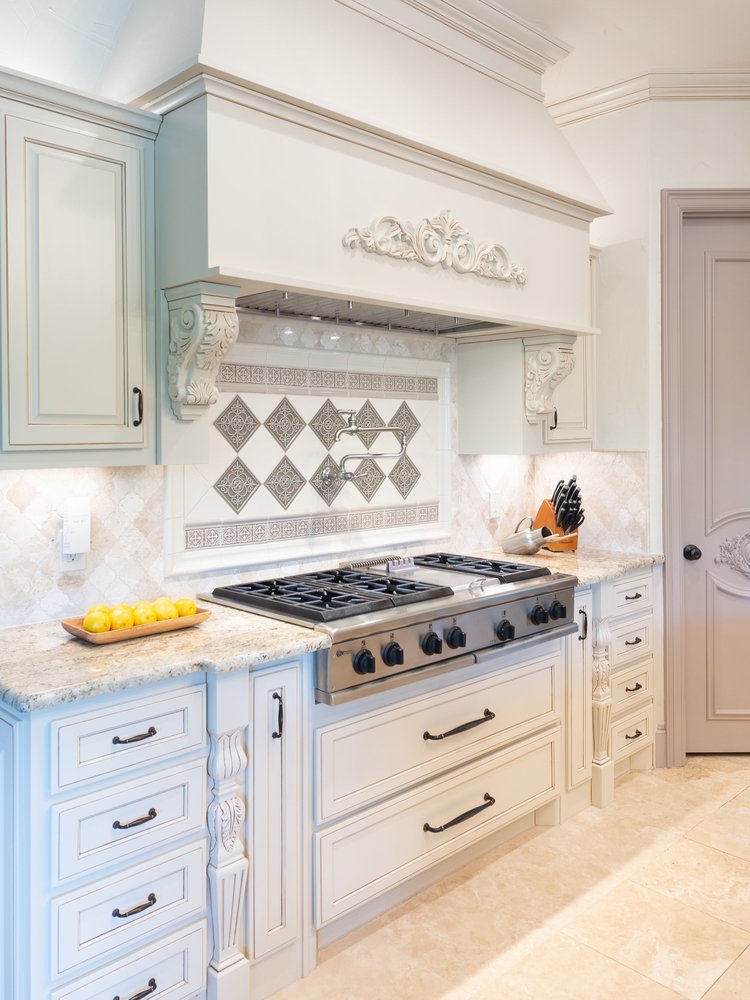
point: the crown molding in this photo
(659, 85)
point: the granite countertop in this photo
(41, 665)
(589, 565)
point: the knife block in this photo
(545, 518)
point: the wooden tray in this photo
(73, 625)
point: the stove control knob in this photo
(455, 637)
(393, 655)
(538, 615)
(557, 610)
(432, 644)
(505, 631)
(364, 662)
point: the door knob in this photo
(692, 552)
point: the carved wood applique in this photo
(735, 552)
(547, 362)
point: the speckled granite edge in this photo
(42, 666)
(589, 565)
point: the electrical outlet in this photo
(69, 562)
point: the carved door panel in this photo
(715, 482)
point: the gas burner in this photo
(506, 572)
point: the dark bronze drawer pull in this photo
(488, 801)
(634, 736)
(634, 597)
(151, 731)
(151, 988)
(151, 901)
(634, 642)
(280, 731)
(585, 634)
(117, 825)
(486, 717)
(139, 393)
(638, 687)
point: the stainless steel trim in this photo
(530, 640)
(392, 683)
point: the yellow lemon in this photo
(96, 621)
(121, 617)
(165, 608)
(104, 608)
(185, 606)
(143, 613)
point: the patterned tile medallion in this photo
(370, 478)
(405, 419)
(285, 482)
(326, 422)
(284, 423)
(329, 489)
(236, 485)
(368, 416)
(404, 475)
(237, 423)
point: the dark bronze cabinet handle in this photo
(634, 642)
(488, 801)
(486, 717)
(151, 901)
(151, 988)
(135, 739)
(280, 731)
(635, 735)
(139, 393)
(635, 597)
(117, 825)
(553, 424)
(638, 687)
(585, 634)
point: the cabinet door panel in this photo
(75, 309)
(578, 695)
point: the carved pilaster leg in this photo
(603, 770)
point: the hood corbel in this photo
(203, 325)
(547, 361)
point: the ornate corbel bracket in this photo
(547, 361)
(203, 326)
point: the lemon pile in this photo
(102, 618)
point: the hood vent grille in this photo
(349, 313)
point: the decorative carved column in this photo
(603, 771)
(548, 360)
(203, 326)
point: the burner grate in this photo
(505, 571)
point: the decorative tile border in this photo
(216, 536)
(271, 378)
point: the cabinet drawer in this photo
(633, 685)
(176, 965)
(135, 733)
(385, 751)
(361, 858)
(94, 831)
(631, 640)
(633, 593)
(633, 732)
(124, 909)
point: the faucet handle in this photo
(349, 414)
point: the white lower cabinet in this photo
(578, 729)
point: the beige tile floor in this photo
(649, 898)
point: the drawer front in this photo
(632, 685)
(634, 593)
(125, 909)
(102, 829)
(359, 859)
(127, 736)
(631, 640)
(386, 751)
(175, 968)
(633, 732)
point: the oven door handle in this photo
(487, 716)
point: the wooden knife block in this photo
(545, 518)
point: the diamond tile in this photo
(285, 482)
(368, 416)
(371, 478)
(326, 422)
(404, 475)
(284, 423)
(405, 419)
(236, 485)
(328, 489)
(237, 423)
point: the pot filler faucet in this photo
(328, 474)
